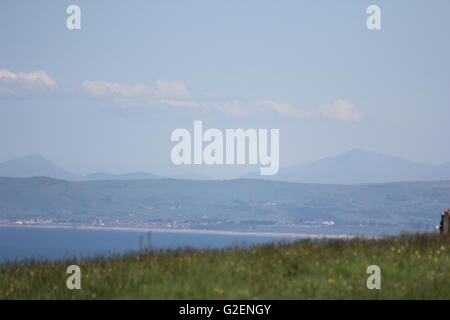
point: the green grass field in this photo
(412, 267)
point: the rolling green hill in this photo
(235, 205)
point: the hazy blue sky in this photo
(108, 96)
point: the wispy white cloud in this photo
(137, 93)
(234, 108)
(172, 94)
(114, 90)
(171, 89)
(338, 110)
(22, 83)
(175, 94)
(283, 109)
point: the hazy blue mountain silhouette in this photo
(356, 166)
(34, 165)
(124, 176)
(360, 166)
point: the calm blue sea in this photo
(26, 243)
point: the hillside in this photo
(412, 267)
(124, 176)
(233, 205)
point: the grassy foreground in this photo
(412, 267)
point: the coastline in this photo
(192, 231)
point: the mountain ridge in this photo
(357, 166)
(35, 165)
(360, 166)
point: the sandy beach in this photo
(192, 231)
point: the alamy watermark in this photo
(235, 146)
(74, 280)
(73, 21)
(374, 280)
(374, 19)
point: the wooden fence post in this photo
(445, 223)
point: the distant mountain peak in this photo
(361, 166)
(31, 157)
(33, 165)
(358, 150)
(361, 152)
